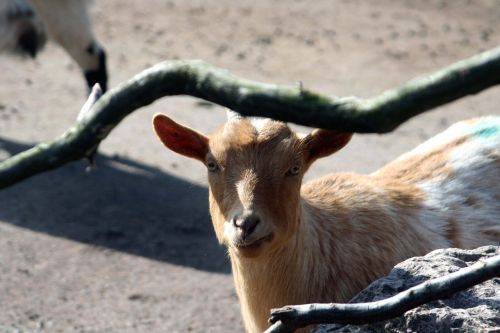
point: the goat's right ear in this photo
(181, 139)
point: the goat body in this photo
(326, 240)
(23, 25)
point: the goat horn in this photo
(232, 115)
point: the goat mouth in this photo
(255, 244)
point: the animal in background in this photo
(24, 25)
(326, 240)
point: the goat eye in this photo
(294, 171)
(212, 166)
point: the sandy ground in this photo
(129, 247)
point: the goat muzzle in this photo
(246, 224)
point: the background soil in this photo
(130, 247)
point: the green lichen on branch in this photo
(379, 114)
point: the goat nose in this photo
(246, 223)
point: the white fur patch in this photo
(473, 181)
(259, 123)
(463, 128)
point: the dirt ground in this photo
(130, 247)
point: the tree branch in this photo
(293, 104)
(290, 318)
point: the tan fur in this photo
(420, 167)
(326, 240)
(454, 233)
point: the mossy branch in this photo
(379, 114)
(290, 318)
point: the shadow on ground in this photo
(122, 205)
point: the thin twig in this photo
(293, 104)
(290, 318)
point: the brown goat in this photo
(326, 240)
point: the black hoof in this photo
(29, 42)
(98, 75)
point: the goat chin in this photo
(251, 249)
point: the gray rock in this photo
(474, 310)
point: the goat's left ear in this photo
(321, 143)
(183, 140)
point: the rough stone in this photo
(473, 310)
